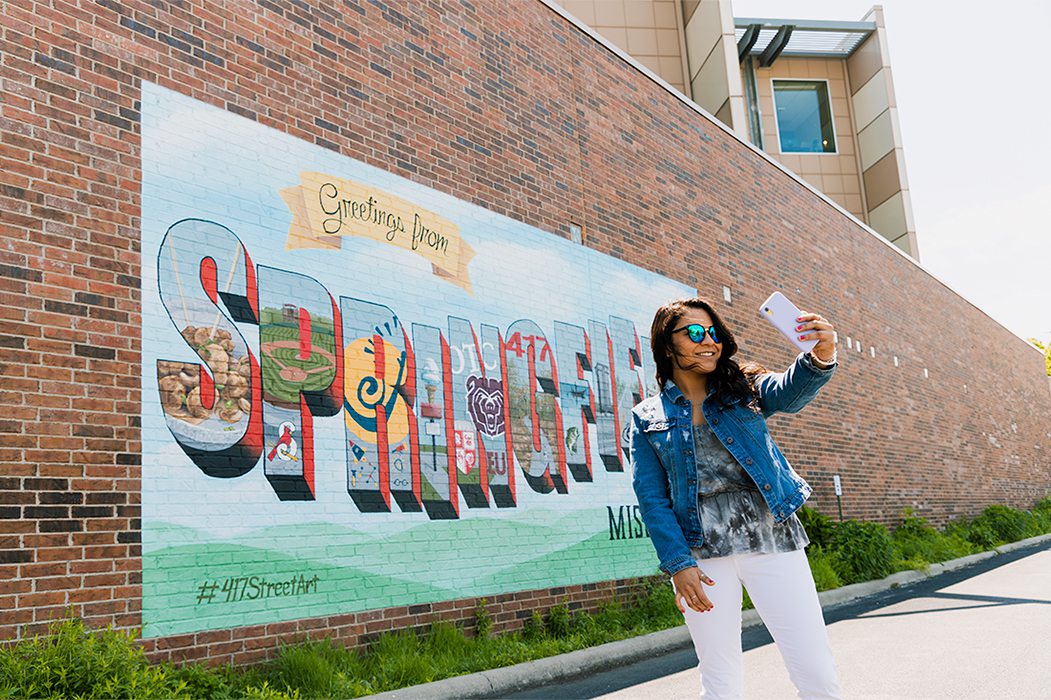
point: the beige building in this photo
(815, 95)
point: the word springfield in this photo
(433, 418)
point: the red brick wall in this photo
(505, 105)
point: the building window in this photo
(804, 118)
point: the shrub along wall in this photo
(156, 180)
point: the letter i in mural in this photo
(378, 392)
(434, 411)
(299, 340)
(607, 424)
(536, 419)
(466, 367)
(573, 350)
(488, 407)
(626, 352)
(213, 409)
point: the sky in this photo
(972, 103)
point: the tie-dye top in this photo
(734, 516)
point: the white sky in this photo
(973, 102)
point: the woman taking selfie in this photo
(719, 498)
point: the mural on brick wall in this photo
(359, 392)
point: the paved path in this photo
(981, 631)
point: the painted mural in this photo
(359, 392)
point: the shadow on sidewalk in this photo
(757, 636)
(982, 601)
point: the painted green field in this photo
(185, 571)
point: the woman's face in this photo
(691, 356)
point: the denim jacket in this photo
(664, 468)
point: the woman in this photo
(719, 498)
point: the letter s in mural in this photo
(213, 410)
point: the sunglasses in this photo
(696, 332)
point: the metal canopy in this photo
(770, 38)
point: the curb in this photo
(530, 674)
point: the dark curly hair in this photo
(730, 381)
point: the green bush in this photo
(534, 626)
(77, 663)
(979, 534)
(483, 621)
(1042, 512)
(862, 552)
(998, 525)
(820, 528)
(310, 668)
(199, 681)
(1010, 525)
(72, 661)
(917, 544)
(558, 621)
(397, 660)
(265, 692)
(825, 577)
(653, 604)
(445, 638)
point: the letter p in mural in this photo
(300, 342)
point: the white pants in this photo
(782, 589)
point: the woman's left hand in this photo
(816, 327)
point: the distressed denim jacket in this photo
(664, 467)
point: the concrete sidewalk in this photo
(551, 672)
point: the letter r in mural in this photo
(378, 393)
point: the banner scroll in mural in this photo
(325, 208)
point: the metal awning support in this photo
(776, 46)
(810, 38)
(751, 35)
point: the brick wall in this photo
(507, 107)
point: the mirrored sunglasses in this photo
(696, 332)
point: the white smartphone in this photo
(782, 314)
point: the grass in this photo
(74, 662)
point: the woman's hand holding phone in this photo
(816, 327)
(688, 589)
(809, 332)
